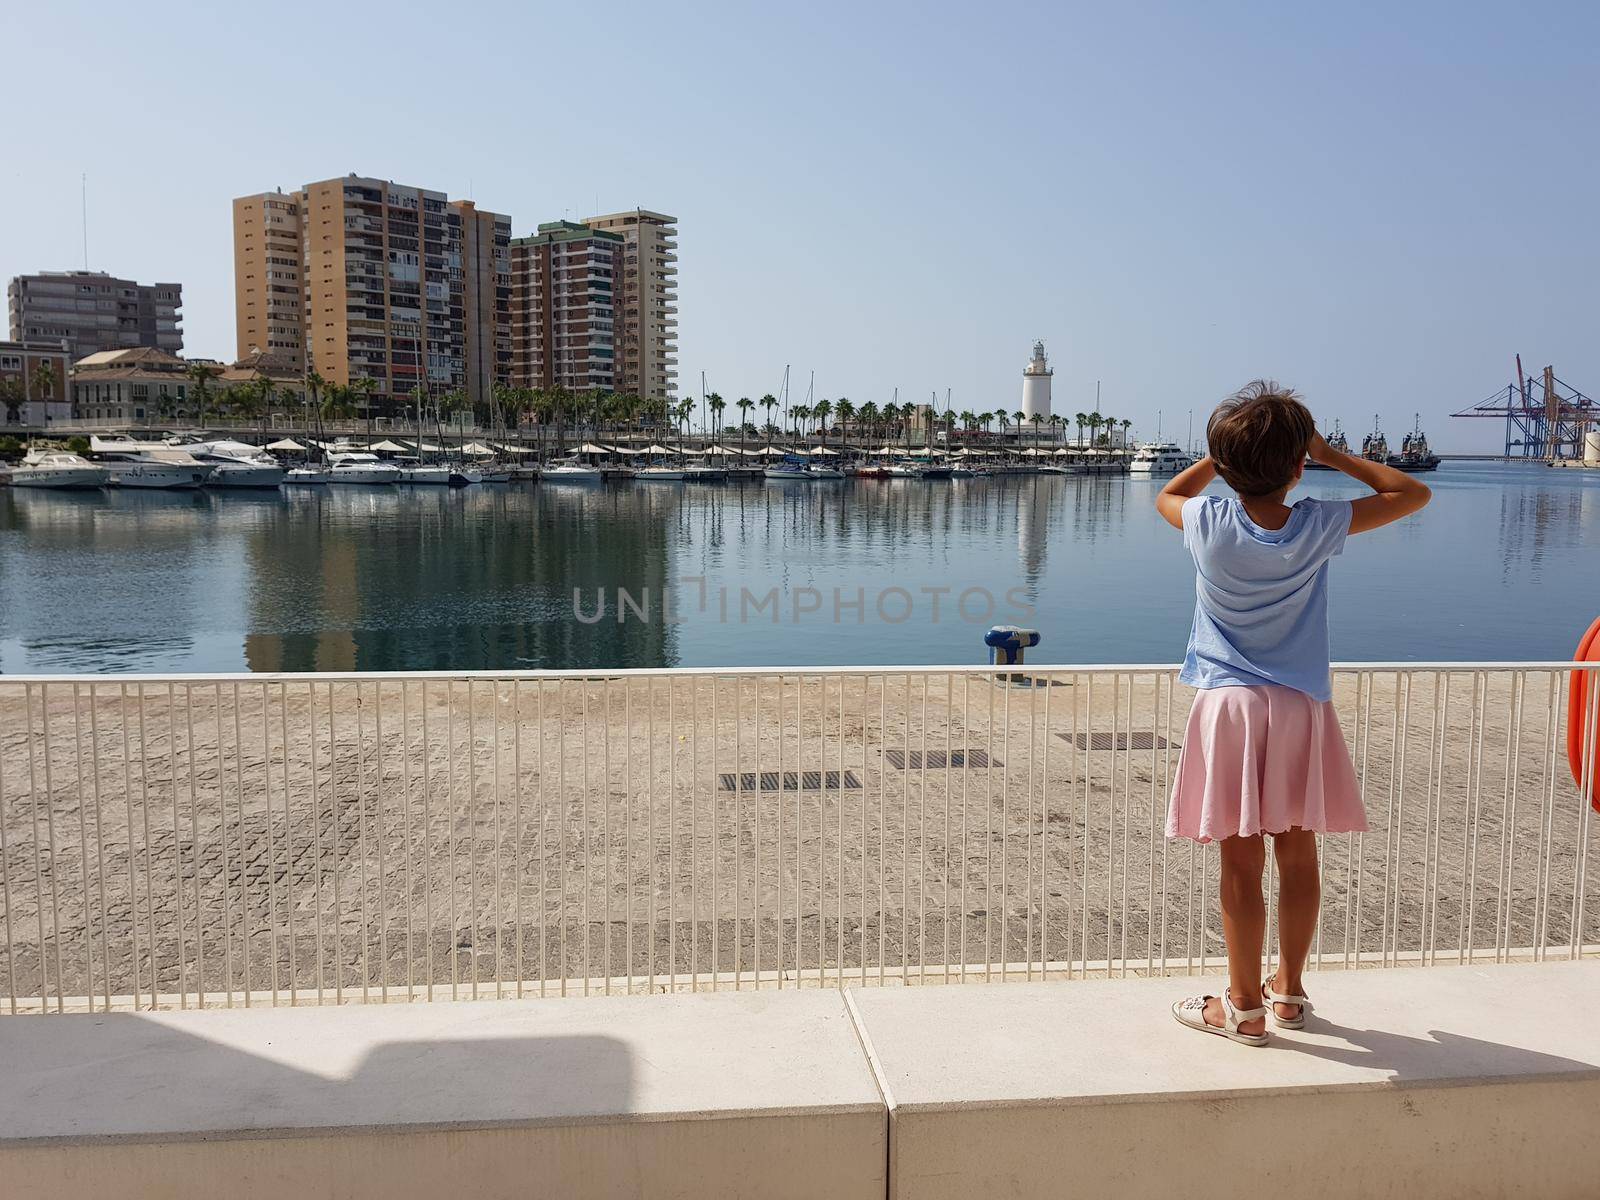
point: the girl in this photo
(1263, 752)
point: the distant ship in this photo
(1375, 446)
(1414, 452)
(1336, 441)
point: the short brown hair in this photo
(1259, 436)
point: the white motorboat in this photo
(570, 470)
(703, 470)
(821, 471)
(237, 464)
(661, 471)
(1160, 458)
(789, 472)
(309, 475)
(58, 469)
(414, 470)
(150, 464)
(359, 467)
(905, 470)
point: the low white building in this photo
(129, 385)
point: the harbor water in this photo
(1504, 565)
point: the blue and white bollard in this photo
(1007, 644)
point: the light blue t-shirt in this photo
(1261, 595)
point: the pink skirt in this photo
(1263, 760)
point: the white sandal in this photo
(1192, 1012)
(1275, 998)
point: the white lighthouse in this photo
(1036, 387)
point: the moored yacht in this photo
(237, 464)
(358, 466)
(570, 470)
(150, 464)
(662, 471)
(703, 470)
(1160, 458)
(789, 470)
(60, 470)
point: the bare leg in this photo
(1299, 899)
(1244, 927)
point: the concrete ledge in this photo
(1473, 1081)
(723, 1095)
(1450, 1081)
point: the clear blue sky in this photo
(1379, 204)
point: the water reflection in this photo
(385, 578)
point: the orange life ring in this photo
(1577, 714)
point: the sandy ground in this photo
(372, 835)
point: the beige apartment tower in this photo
(647, 308)
(366, 279)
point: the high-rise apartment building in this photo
(268, 304)
(486, 296)
(91, 311)
(563, 308)
(647, 321)
(385, 276)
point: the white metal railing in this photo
(291, 839)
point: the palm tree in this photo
(868, 414)
(1038, 421)
(799, 414)
(822, 411)
(716, 404)
(361, 395)
(846, 411)
(1094, 422)
(1126, 425)
(265, 394)
(44, 382)
(541, 403)
(769, 402)
(13, 397)
(685, 412)
(745, 405)
(201, 375)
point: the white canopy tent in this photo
(388, 447)
(288, 446)
(477, 450)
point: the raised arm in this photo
(1184, 486)
(1398, 494)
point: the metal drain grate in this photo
(792, 781)
(1123, 741)
(912, 760)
